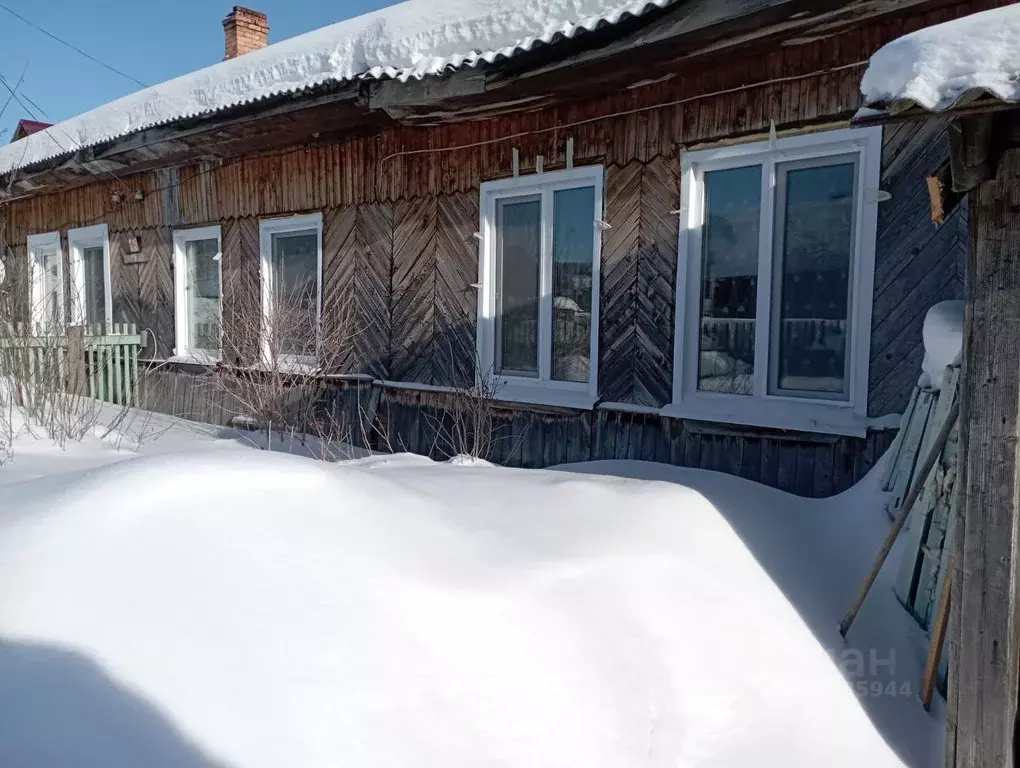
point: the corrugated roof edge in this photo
(877, 110)
(443, 68)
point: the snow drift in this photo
(269, 610)
(937, 66)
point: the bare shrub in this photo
(279, 360)
(137, 426)
(466, 425)
(6, 421)
(46, 368)
(43, 359)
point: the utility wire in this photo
(72, 46)
(49, 131)
(17, 85)
(13, 91)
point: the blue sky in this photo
(151, 40)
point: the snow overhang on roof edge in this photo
(969, 62)
(309, 61)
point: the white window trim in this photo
(268, 228)
(77, 240)
(182, 350)
(764, 410)
(542, 390)
(35, 244)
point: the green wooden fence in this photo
(102, 362)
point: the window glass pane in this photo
(815, 243)
(202, 294)
(573, 248)
(295, 271)
(46, 290)
(95, 285)
(729, 280)
(518, 253)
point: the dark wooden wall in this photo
(387, 418)
(400, 209)
(917, 264)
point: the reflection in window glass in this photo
(814, 232)
(518, 254)
(46, 290)
(202, 294)
(93, 265)
(295, 266)
(573, 244)
(729, 280)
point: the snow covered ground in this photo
(195, 602)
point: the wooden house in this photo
(656, 228)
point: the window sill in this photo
(538, 395)
(206, 360)
(820, 418)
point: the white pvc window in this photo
(46, 281)
(775, 282)
(291, 288)
(539, 286)
(91, 294)
(198, 278)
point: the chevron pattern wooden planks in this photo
(124, 283)
(156, 288)
(456, 299)
(638, 282)
(414, 274)
(14, 288)
(241, 289)
(357, 244)
(435, 264)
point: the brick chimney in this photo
(245, 31)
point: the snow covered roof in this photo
(408, 40)
(949, 64)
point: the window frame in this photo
(77, 241)
(540, 389)
(277, 226)
(783, 411)
(182, 237)
(34, 244)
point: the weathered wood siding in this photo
(917, 264)
(639, 258)
(984, 646)
(419, 421)
(400, 209)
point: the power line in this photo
(49, 131)
(14, 95)
(38, 109)
(72, 46)
(17, 85)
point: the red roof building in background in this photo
(28, 127)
